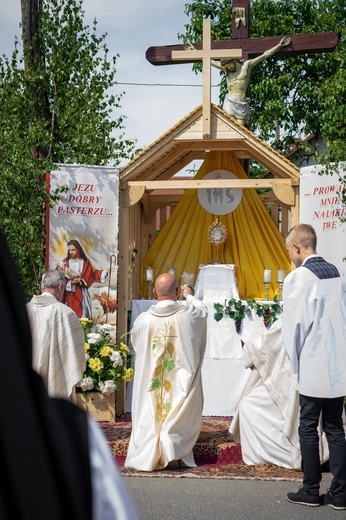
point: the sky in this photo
(132, 26)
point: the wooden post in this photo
(123, 283)
(34, 61)
(206, 54)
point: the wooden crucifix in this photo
(206, 55)
(251, 47)
(253, 51)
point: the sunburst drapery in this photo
(253, 241)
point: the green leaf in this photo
(169, 364)
(156, 383)
(218, 316)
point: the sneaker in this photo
(304, 498)
(334, 502)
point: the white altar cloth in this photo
(223, 374)
(216, 281)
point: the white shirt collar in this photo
(165, 303)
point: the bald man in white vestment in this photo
(267, 418)
(169, 341)
(58, 353)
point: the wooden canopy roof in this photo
(154, 167)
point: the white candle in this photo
(150, 274)
(267, 275)
(281, 275)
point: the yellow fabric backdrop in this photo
(253, 241)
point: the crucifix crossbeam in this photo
(251, 47)
(206, 54)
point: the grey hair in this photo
(51, 279)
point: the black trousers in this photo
(330, 410)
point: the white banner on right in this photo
(320, 206)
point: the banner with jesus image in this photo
(82, 237)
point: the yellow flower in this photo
(123, 347)
(85, 321)
(95, 364)
(128, 374)
(106, 351)
(86, 346)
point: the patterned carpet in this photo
(215, 455)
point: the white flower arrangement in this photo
(107, 360)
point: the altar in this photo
(223, 374)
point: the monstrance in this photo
(217, 234)
(219, 202)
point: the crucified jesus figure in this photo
(238, 78)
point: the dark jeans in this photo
(311, 408)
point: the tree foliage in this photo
(300, 95)
(56, 109)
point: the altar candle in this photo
(267, 275)
(281, 275)
(150, 274)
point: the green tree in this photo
(56, 106)
(300, 95)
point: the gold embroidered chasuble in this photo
(167, 401)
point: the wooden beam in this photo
(132, 196)
(210, 183)
(123, 285)
(154, 157)
(295, 210)
(167, 173)
(162, 200)
(251, 47)
(221, 144)
(285, 193)
(162, 160)
(277, 165)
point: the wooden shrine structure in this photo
(153, 170)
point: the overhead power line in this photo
(161, 84)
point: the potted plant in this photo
(107, 364)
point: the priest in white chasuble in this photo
(169, 342)
(58, 353)
(267, 418)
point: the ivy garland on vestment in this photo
(163, 349)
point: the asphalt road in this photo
(164, 498)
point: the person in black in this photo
(46, 444)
